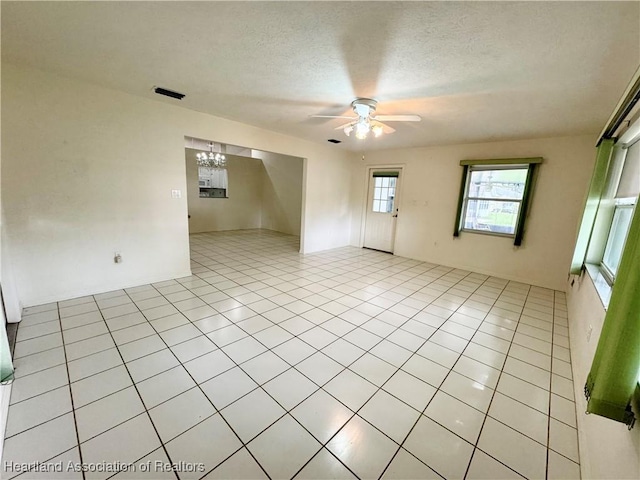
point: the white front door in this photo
(382, 209)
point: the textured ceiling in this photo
(474, 71)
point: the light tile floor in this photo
(266, 363)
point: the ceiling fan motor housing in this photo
(364, 107)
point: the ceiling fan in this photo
(365, 121)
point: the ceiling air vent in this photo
(168, 93)
(333, 140)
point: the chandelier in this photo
(211, 159)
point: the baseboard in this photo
(91, 291)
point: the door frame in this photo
(365, 199)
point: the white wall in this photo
(281, 192)
(429, 196)
(11, 304)
(607, 448)
(88, 170)
(243, 208)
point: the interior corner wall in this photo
(608, 450)
(241, 210)
(281, 192)
(429, 198)
(88, 171)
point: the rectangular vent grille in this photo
(168, 93)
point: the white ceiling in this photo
(474, 71)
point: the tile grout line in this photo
(546, 472)
(198, 386)
(437, 389)
(379, 388)
(259, 386)
(368, 351)
(495, 390)
(317, 350)
(548, 414)
(135, 386)
(73, 409)
(337, 262)
(575, 403)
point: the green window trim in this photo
(502, 161)
(530, 162)
(526, 200)
(594, 195)
(463, 186)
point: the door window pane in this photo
(384, 193)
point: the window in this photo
(384, 192)
(623, 186)
(494, 197)
(616, 239)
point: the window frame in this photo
(469, 166)
(608, 206)
(467, 198)
(393, 177)
(605, 270)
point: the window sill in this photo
(600, 283)
(488, 232)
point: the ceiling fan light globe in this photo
(363, 127)
(361, 135)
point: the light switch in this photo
(176, 194)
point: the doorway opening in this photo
(251, 189)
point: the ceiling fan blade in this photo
(345, 125)
(330, 116)
(398, 118)
(385, 128)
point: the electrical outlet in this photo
(176, 194)
(589, 332)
